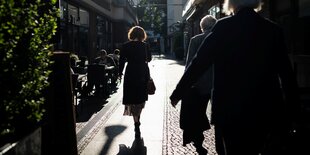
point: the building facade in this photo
(174, 23)
(87, 26)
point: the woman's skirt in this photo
(134, 109)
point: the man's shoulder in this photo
(198, 37)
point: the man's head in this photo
(232, 6)
(207, 22)
(103, 53)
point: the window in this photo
(83, 18)
(73, 29)
(63, 8)
(73, 17)
(215, 11)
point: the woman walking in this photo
(135, 52)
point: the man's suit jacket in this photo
(251, 71)
(204, 84)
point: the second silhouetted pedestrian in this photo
(193, 118)
(254, 84)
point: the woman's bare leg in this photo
(136, 119)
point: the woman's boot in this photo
(201, 150)
(137, 130)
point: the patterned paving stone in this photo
(172, 144)
(172, 134)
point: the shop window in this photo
(104, 31)
(73, 32)
(83, 38)
(62, 42)
(83, 18)
(63, 8)
(73, 15)
(83, 41)
(101, 31)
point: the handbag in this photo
(150, 84)
(151, 87)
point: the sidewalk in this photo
(108, 132)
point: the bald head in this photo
(207, 22)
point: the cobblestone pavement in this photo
(96, 121)
(172, 144)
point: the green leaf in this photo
(25, 34)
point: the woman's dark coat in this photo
(136, 54)
(252, 71)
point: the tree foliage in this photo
(152, 16)
(25, 33)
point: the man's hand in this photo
(174, 102)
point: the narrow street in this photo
(60, 92)
(108, 132)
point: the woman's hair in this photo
(207, 22)
(230, 6)
(137, 32)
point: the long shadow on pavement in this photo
(137, 148)
(111, 132)
(88, 106)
